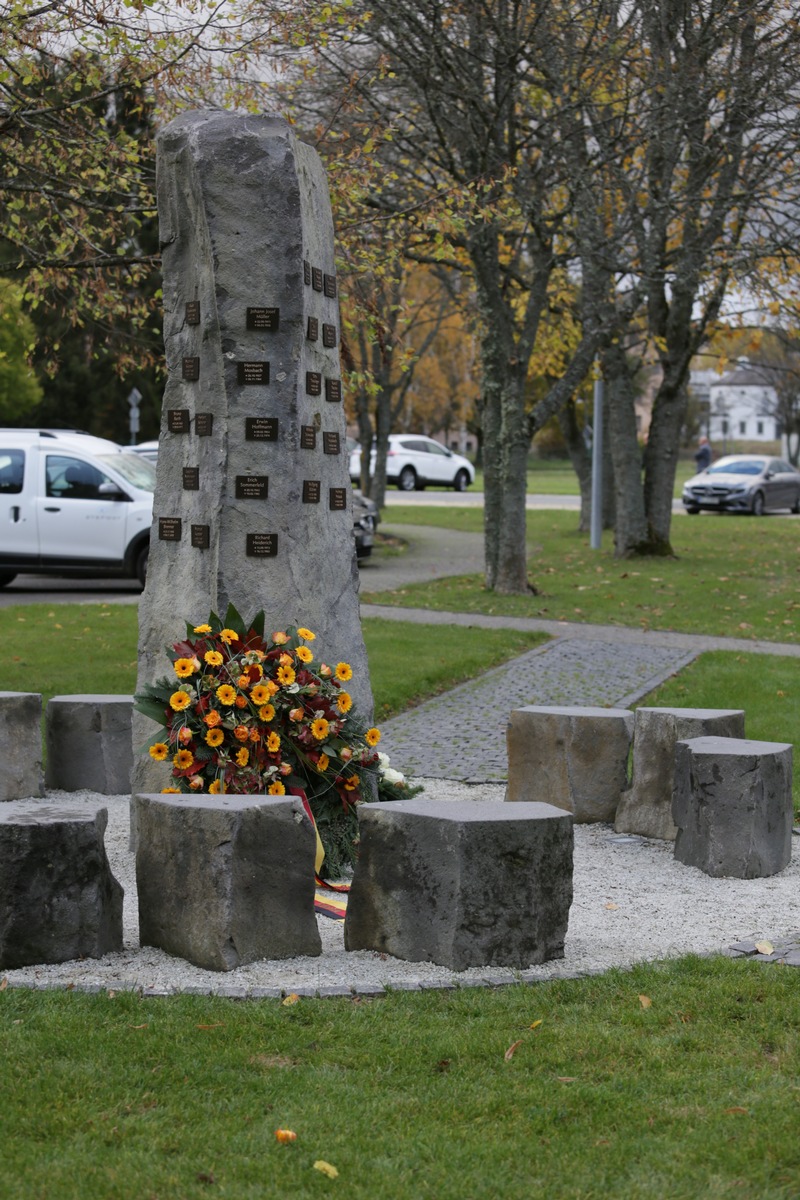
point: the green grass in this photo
(556, 477)
(67, 649)
(732, 576)
(107, 1098)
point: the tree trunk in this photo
(580, 458)
(630, 530)
(661, 458)
(506, 446)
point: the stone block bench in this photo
(472, 884)
(575, 758)
(732, 805)
(89, 743)
(646, 808)
(225, 880)
(58, 897)
(21, 740)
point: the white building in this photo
(743, 407)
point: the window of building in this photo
(759, 427)
(743, 427)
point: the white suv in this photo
(414, 461)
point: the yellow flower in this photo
(323, 762)
(215, 737)
(320, 728)
(184, 667)
(183, 759)
(159, 751)
(175, 791)
(217, 787)
(344, 671)
(286, 675)
(273, 743)
(305, 634)
(202, 629)
(213, 658)
(276, 789)
(260, 695)
(304, 654)
(226, 694)
(228, 636)
(372, 736)
(242, 757)
(271, 686)
(352, 783)
(179, 700)
(266, 712)
(344, 702)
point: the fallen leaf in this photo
(204, 1176)
(292, 998)
(145, 1026)
(4, 983)
(443, 1065)
(737, 1108)
(765, 947)
(536, 1024)
(567, 1078)
(512, 1050)
(216, 1025)
(645, 1002)
(285, 1135)
(611, 905)
(111, 994)
(326, 1168)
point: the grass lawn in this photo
(571, 1090)
(732, 576)
(555, 477)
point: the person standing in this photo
(702, 456)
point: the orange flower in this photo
(254, 735)
(296, 714)
(285, 768)
(241, 733)
(276, 789)
(272, 686)
(184, 735)
(176, 791)
(351, 783)
(213, 718)
(196, 783)
(285, 660)
(286, 1135)
(241, 701)
(280, 639)
(273, 743)
(325, 671)
(266, 712)
(243, 681)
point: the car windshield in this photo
(745, 466)
(134, 469)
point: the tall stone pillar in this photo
(253, 500)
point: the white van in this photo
(71, 504)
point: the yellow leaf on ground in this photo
(611, 905)
(737, 1108)
(285, 1135)
(292, 998)
(765, 947)
(536, 1024)
(645, 1001)
(326, 1168)
(512, 1050)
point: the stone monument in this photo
(252, 502)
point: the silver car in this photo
(744, 483)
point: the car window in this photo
(72, 478)
(138, 471)
(12, 471)
(746, 466)
(415, 444)
(435, 448)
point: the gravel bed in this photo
(633, 902)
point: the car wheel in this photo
(407, 479)
(141, 565)
(461, 481)
(796, 505)
(7, 577)
(693, 511)
(758, 504)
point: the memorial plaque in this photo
(311, 491)
(201, 537)
(169, 529)
(178, 420)
(262, 545)
(191, 369)
(191, 479)
(192, 312)
(203, 424)
(252, 487)
(306, 272)
(333, 390)
(338, 498)
(261, 429)
(263, 319)
(252, 373)
(316, 279)
(328, 336)
(308, 437)
(329, 286)
(313, 383)
(330, 443)
(312, 332)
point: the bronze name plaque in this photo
(203, 424)
(328, 336)
(329, 286)
(192, 312)
(338, 498)
(201, 537)
(169, 529)
(262, 545)
(308, 437)
(330, 443)
(306, 272)
(252, 373)
(261, 429)
(312, 331)
(178, 420)
(333, 390)
(311, 491)
(191, 479)
(316, 278)
(252, 487)
(191, 369)
(263, 319)
(313, 383)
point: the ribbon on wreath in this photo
(326, 906)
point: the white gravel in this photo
(632, 903)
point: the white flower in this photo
(383, 761)
(392, 776)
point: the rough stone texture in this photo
(58, 897)
(646, 808)
(243, 209)
(225, 880)
(21, 737)
(732, 805)
(89, 743)
(572, 757)
(462, 884)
